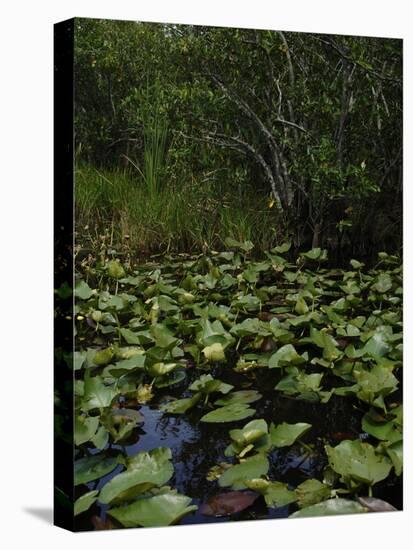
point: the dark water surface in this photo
(197, 446)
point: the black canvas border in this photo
(63, 174)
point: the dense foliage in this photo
(214, 340)
(307, 125)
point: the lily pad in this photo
(180, 406)
(84, 502)
(144, 471)
(358, 461)
(229, 413)
(241, 396)
(155, 511)
(94, 467)
(331, 507)
(376, 504)
(284, 435)
(206, 384)
(250, 468)
(286, 355)
(312, 491)
(227, 504)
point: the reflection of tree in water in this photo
(193, 459)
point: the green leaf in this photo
(326, 342)
(284, 435)
(282, 248)
(206, 384)
(331, 507)
(115, 270)
(251, 468)
(385, 431)
(103, 357)
(160, 369)
(214, 353)
(85, 428)
(312, 491)
(97, 395)
(155, 511)
(229, 413)
(395, 452)
(163, 337)
(241, 396)
(278, 494)
(83, 290)
(358, 461)
(144, 471)
(251, 432)
(84, 502)
(284, 356)
(383, 283)
(90, 468)
(130, 337)
(275, 493)
(180, 406)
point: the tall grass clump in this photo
(176, 218)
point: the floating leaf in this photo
(241, 396)
(278, 494)
(395, 452)
(83, 290)
(286, 355)
(85, 428)
(155, 511)
(227, 504)
(144, 471)
(284, 435)
(331, 507)
(180, 406)
(96, 394)
(229, 413)
(115, 270)
(250, 468)
(312, 491)
(103, 357)
(90, 468)
(244, 439)
(376, 504)
(206, 384)
(358, 461)
(214, 353)
(84, 502)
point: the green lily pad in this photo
(251, 432)
(358, 461)
(214, 353)
(385, 431)
(97, 395)
(286, 355)
(251, 468)
(83, 290)
(206, 384)
(85, 428)
(84, 502)
(395, 452)
(94, 467)
(154, 511)
(331, 507)
(312, 491)
(180, 406)
(284, 435)
(275, 493)
(144, 471)
(241, 396)
(229, 413)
